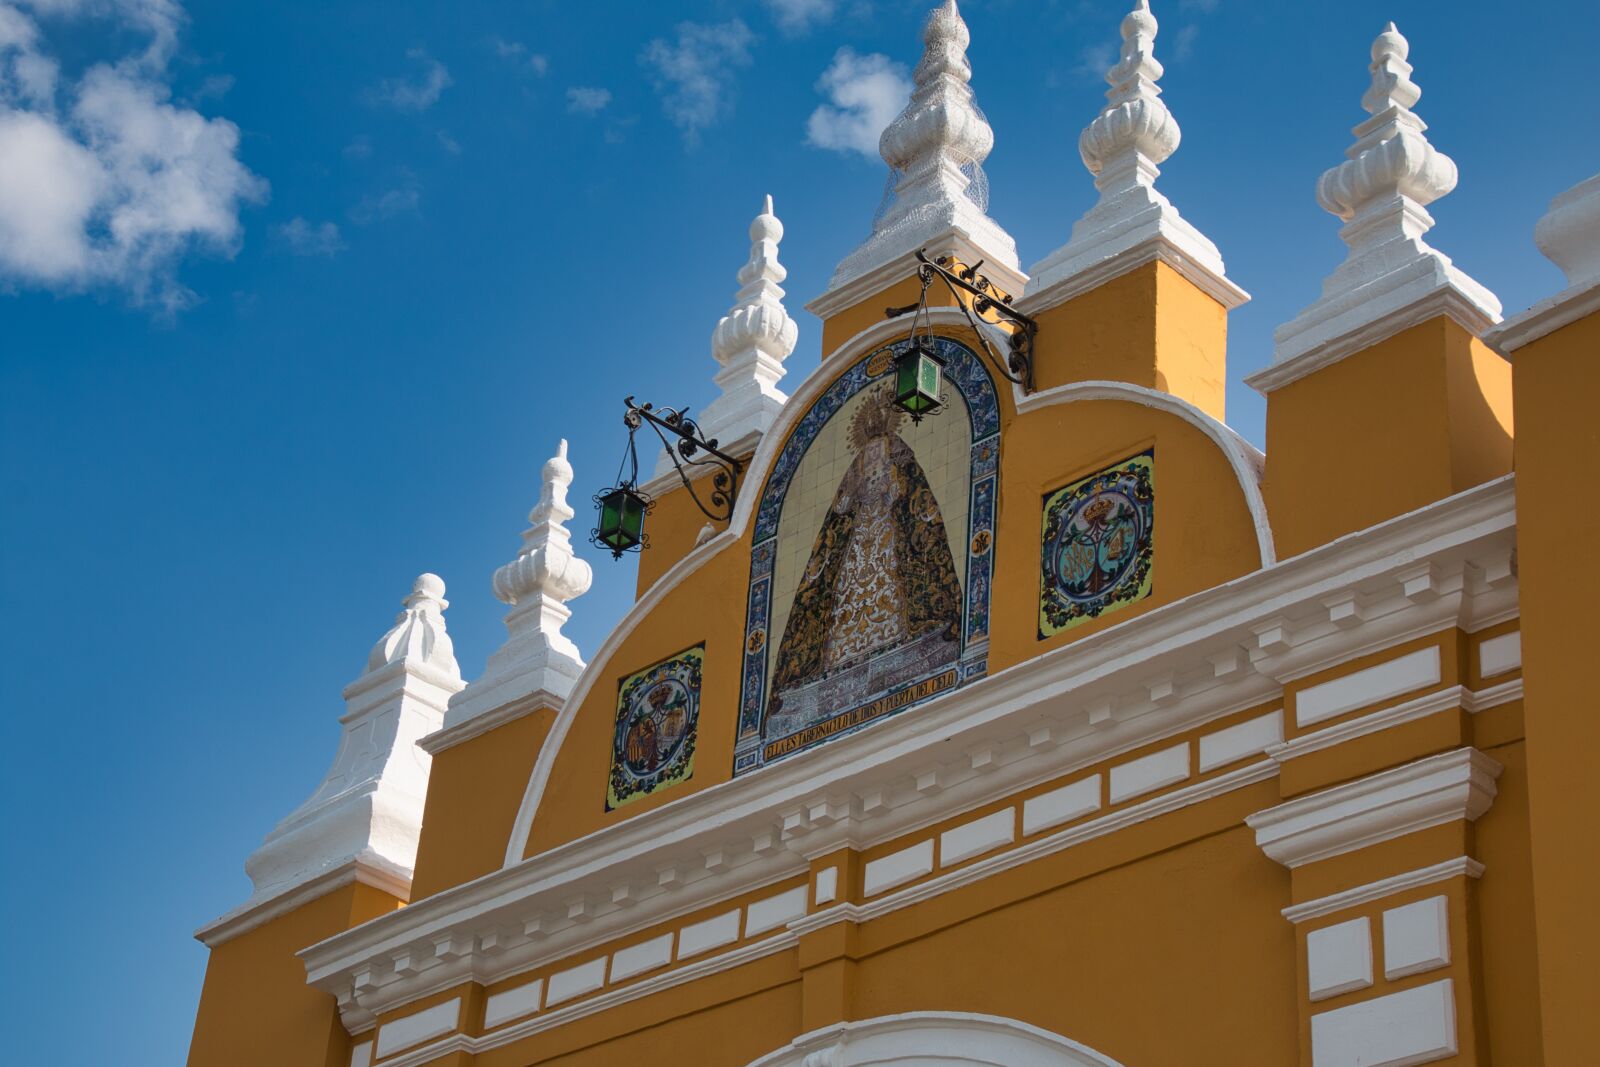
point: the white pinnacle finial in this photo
(364, 819)
(934, 149)
(1391, 275)
(418, 634)
(751, 342)
(537, 658)
(1132, 223)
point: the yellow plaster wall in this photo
(1204, 536)
(474, 790)
(1415, 418)
(1558, 381)
(255, 1007)
(1150, 327)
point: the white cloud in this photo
(305, 239)
(1094, 61)
(582, 100)
(517, 53)
(105, 182)
(1183, 44)
(695, 75)
(799, 16)
(418, 95)
(865, 94)
(1204, 6)
(360, 147)
(376, 207)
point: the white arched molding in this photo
(1246, 462)
(933, 1039)
(1245, 458)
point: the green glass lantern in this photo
(622, 513)
(916, 385)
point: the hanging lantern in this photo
(622, 513)
(916, 385)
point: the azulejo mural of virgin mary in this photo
(871, 568)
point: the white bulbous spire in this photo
(751, 342)
(1391, 275)
(537, 661)
(934, 148)
(1569, 233)
(1132, 223)
(363, 821)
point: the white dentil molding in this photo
(940, 132)
(1380, 807)
(537, 657)
(1034, 723)
(1381, 192)
(366, 814)
(1132, 223)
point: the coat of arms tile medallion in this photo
(1098, 545)
(658, 712)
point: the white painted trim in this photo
(952, 1039)
(864, 791)
(1248, 738)
(1164, 767)
(361, 1054)
(1416, 937)
(981, 835)
(1380, 807)
(1247, 461)
(1500, 654)
(574, 982)
(642, 957)
(769, 913)
(1460, 867)
(1159, 248)
(827, 890)
(249, 916)
(1339, 958)
(707, 934)
(1071, 801)
(1368, 686)
(1544, 318)
(1493, 696)
(886, 872)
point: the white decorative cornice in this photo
(1133, 223)
(1033, 723)
(1569, 234)
(537, 660)
(1381, 807)
(933, 148)
(751, 341)
(363, 821)
(1381, 193)
(1460, 867)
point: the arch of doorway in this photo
(933, 1039)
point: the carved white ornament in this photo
(1133, 223)
(367, 813)
(1381, 192)
(537, 660)
(1569, 233)
(751, 341)
(940, 131)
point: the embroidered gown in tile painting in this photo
(880, 574)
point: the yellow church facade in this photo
(1048, 723)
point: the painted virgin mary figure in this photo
(880, 575)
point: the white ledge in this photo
(1430, 792)
(1545, 317)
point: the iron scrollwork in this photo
(690, 451)
(983, 300)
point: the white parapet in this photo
(1569, 235)
(1132, 223)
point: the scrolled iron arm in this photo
(984, 300)
(690, 443)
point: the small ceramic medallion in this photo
(1098, 544)
(658, 710)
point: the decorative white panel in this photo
(1339, 958)
(418, 1027)
(1500, 654)
(886, 872)
(512, 1003)
(708, 934)
(576, 981)
(827, 885)
(1416, 937)
(1243, 739)
(764, 915)
(978, 836)
(1146, 773)
(361, 1055)
(1414, 1026)
(1061, 805)
(645, 956)
(1365, 687)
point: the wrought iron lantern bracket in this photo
(690, 450)
(982, 300)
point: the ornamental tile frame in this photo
(965, 376)
(658, 717)
(1097, 545)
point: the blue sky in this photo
(393, 251)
